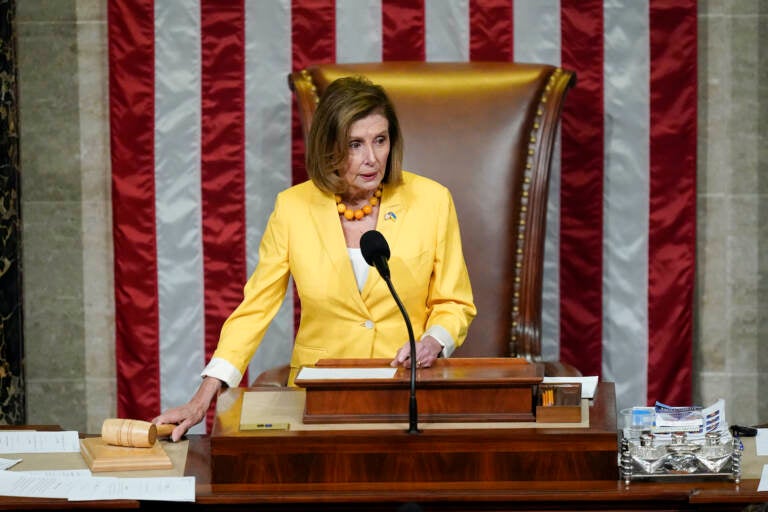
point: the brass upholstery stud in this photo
(526, 184)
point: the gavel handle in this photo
(165, 429)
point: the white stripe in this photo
(537, 31)
(446, 30)
(177, 200)
(537, 39)
(358, 31)
(626, 193)
(267, 149)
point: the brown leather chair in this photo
(486, 130)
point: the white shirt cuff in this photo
(224, 371)
(443, 338)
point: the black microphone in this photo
(376, 253)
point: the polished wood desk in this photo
(720, 496)
(359, 453)
(551, 461)
(607, 493)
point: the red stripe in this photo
(581, 211)
(491, 30)
(402, 24)
(222, 168)
(131, 93)
(313, 40)
(672, 222)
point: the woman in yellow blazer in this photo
(354, 157)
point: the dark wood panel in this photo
(486, 496)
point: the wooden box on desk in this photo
(558, 403)
(459, 389)
(348, 455)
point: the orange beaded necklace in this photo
(350, 214)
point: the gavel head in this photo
(133, 433)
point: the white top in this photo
(359, 266)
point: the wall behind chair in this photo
(68, 292)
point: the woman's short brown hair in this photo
(345, 101)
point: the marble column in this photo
(12, 400)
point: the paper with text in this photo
(57, 473)
(169, 488)
(32, 441)
(79, 488)
(34, 486)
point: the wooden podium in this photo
(364, 453)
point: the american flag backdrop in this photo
(204, 134)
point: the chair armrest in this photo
(560, 369)
(275, 377)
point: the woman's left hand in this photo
(428, 349)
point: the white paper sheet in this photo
(315, 373)
(763, 485)
(8, 463)
(761, 442)
(588, 384)
(58, 473)
(169, 488)
(32, 441)
(30, 485)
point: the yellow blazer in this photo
(304, 238)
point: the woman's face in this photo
(368, 147)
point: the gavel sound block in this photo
(127, 445)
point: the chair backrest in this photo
(486, 130)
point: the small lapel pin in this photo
(390, 216)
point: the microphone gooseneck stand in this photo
(412, 408)
(375, 250)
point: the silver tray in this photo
(645, 456)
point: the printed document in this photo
(97, 488)
(33, 441)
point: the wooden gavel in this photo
(133, 433)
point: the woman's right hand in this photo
(193, 412)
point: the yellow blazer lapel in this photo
(392, 214)
(326, 219)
